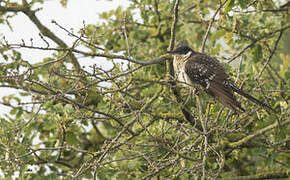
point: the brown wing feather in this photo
(207, 72)
(225, 96)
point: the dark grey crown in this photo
(181, 49)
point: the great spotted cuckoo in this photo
(198, 69)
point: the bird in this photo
(205, 72)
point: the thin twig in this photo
(257, 40)
(271, 55)
(174, 24)
(257, 133)
(210, 24)
(89, 54)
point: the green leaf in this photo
(13, 111)
(257, 53)
(19, 113)
(71, 138)
(48, 104)
(218, 34)
(24, 94)
(5, 57)
(287, 75)
(63, 3)
(17, 99)
(68, 108)
(104, 15)
(243, 4)
(229, 5)
(49, 123)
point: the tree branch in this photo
(106, 55)
(257, 40)
(25, 8)
(244, 140)
(265, 175)
(170, 70)
(271, 55)
(210, 25)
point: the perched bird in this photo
(198, 69)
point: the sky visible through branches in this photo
(73, 17)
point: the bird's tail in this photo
(251, 98)
(225, 95)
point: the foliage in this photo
(129, 121)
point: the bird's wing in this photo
(209, 73)
(204, 70)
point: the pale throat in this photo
(180, 59)
(178, 63)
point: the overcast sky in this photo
(71, 17)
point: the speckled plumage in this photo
(198, 69)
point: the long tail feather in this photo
(251, 98)
(225, 96)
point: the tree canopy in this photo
(132, 119)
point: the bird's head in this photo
(180, 50)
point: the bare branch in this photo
(106, 55)
(257, 133)
(210, 24)
(173, 26)
(264, 175)
(25, 8)
(257, 40)
(271, 55)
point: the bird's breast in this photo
(179, 69)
